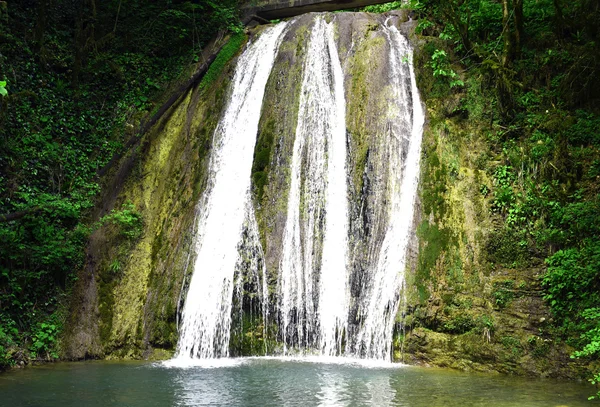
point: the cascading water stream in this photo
(379, 307)
(206, 319)
(334, 295)
(313, 302)
(313, 278)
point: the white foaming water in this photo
(334, 360)
(378, 309)
(214, 363)
(206, 321)
(314, 295)
(235, 362)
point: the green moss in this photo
(158, 354)
(106, 301)
(537, 346)
(459, 324)
(164, 332)
(362, 80)
(512, 344)
(504, 292)
(437, 242)
(508, 247)
(110, 274)
(262, 158)
(233, 46)
(157, 245)
(250, 338)
(360, 159)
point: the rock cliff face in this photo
(130, 295)
(461, 310)
(126, 299)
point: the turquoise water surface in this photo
(277, 382)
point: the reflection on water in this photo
(381, 392)
(332, 387)
(277, 382)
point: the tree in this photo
(512, 22)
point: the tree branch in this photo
(18, 215)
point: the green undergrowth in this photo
(382, 8)
(77, 80)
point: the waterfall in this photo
(378, 308)
(206, 319)
(311, 243)
(313, 281)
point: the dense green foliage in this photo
(76, 79)
(525, 70)
(382, 8)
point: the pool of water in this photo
(277, 382)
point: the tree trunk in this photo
(559, 20)
(507, 34)
(452, 13)
(519, 34)
(84, 36)
(8, 217)
(40, 28)
(3, 12)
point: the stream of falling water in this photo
(206, 319)
(313, 279)
(312, 304)
(378, 308)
